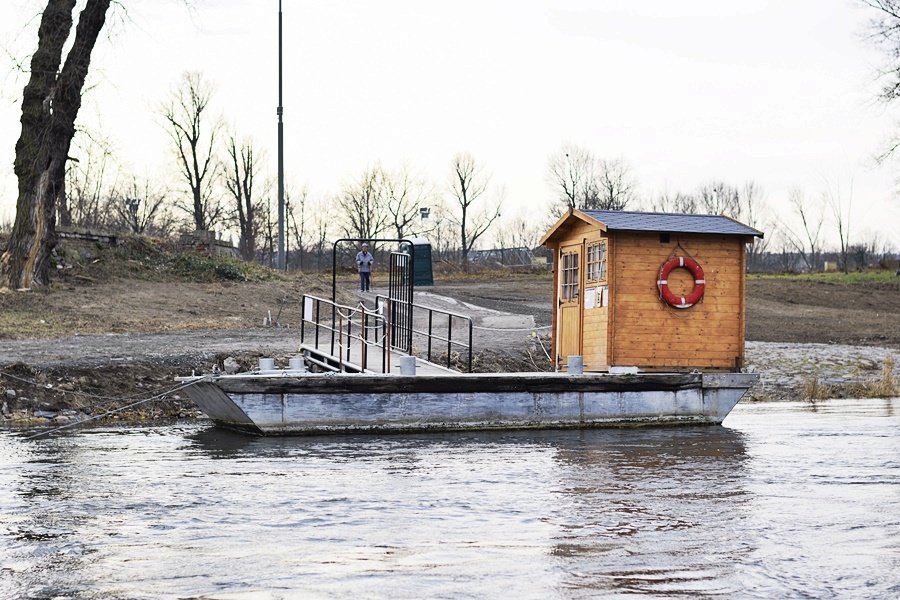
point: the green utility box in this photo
(422, 272)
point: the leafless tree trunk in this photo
(752, 214)
(296, 228)
(617, 188)
(806, 242)
(468, 183)
(865, 252)
(787, 260)
(50, 105)
(86, 190)
(518, 234)
(269, 232)
(840, 210)
(571, 171)
(584, 182)
(240, 173)
(441, 232)
(675, 203)
(719, 198)
(404, 194)
(364, 206)
(142, 209)
(884, 32)
(194, 138)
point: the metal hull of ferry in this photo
(284, 403)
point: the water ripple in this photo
(783, 501)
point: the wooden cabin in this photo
(656, 291)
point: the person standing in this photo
(364, 262)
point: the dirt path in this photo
(90, 351)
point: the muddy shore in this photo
(127, 340)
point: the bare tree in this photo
(294, 207)
(719, 198)
(194, 136)
(884, 33)
(571, 170)
(142, 208)
(806, 242)
(786, 254)
(675, 203)
(867, 251)
(269, 230)
(321, 222)
(83, 202)
(468, 183)
(585, 182)
(240, 172)
(363, 205)
(616, 186)
(50, 104)
(404, 195)
(521, 232)
(840, 205)
(442, 232)
(753, 213)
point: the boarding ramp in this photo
(342, 338)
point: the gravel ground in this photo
(787, 368)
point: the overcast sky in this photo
(685, 92)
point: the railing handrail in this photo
(335, 329)
(380, 320)
(431, 336)
(431, 308)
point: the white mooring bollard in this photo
(575, 365)
(296, 363)
(407, 365)
(266, 364)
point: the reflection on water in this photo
(782, 501)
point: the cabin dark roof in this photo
(617, 220)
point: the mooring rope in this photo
(547, 354)
(511, 329)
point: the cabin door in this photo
(569, 317)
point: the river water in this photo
(785, 500)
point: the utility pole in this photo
(282, 259)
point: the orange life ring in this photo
(662, 282)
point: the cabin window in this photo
(569, 288)
(596, 261)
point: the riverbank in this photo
(134, 387)
(118, 326)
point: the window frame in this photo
(596, 268)
(569, 288)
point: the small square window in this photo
(596, 261)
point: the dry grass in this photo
(886, 386)
(813, 388)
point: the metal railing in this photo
(341, 328)
(430, 336)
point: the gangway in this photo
(357, 339)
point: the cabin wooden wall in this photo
(646, 333)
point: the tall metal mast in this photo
(282, 259)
